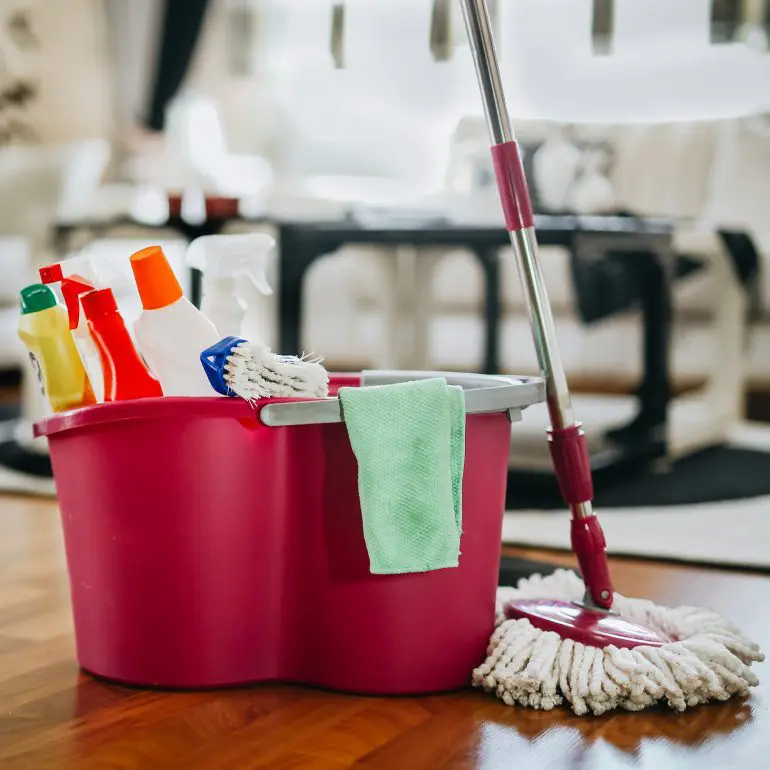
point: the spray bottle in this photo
(234, 281)
(79, 267)
(72, 286)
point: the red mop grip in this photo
(572, 463)
(589, 546)
(569, 452)
(512, 184)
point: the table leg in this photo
(489, 260)
(291, 273)
(654, 271)
(196, 286)
(656, 312)
(190, 232)
(295, 257)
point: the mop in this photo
(560, 638)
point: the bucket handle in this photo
(484, 394)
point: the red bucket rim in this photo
(151, 408)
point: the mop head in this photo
(710, 661)
(253, 371)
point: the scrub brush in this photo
(237, 367)
(559, 638)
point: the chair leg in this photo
(424, 264)
(721, 400)
(388, 355)
(725, 388)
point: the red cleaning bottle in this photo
(126, 376)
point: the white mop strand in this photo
(253, 371)
(710, 660)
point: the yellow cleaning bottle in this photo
(44, 329)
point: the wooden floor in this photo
(54, 716)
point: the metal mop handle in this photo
(566, 439)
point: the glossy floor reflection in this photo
(54, 716)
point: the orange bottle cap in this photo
(157, 284)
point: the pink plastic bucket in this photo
(210, 543)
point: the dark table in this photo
(647, 244)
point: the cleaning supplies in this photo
(171, 331)
(236, 367)
(567, 639)
(44, 329)
(409, 440)
(71, 288)
(125, 374)
(234, 280)
(79, 267)
(53, 274)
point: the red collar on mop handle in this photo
(512, 184)
(593, 628)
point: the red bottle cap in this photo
(51, 273)
(99, 303)
(72, 288)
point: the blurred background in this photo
(352, 131)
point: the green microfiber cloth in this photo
(409, 440)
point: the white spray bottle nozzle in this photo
(222, 256)
(258, 278)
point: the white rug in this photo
(732, 533)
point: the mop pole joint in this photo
(572, 463)
(589, 546)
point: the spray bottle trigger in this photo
(259, 279)
(214, 360)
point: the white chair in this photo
(667, 171)
(659, 171)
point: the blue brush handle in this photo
(214, 360)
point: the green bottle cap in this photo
(35, 298)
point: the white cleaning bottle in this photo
(170, 331)
(234, 281)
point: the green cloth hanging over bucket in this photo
(409, 440)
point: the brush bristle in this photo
(253, 372)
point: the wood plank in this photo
(54, 716)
